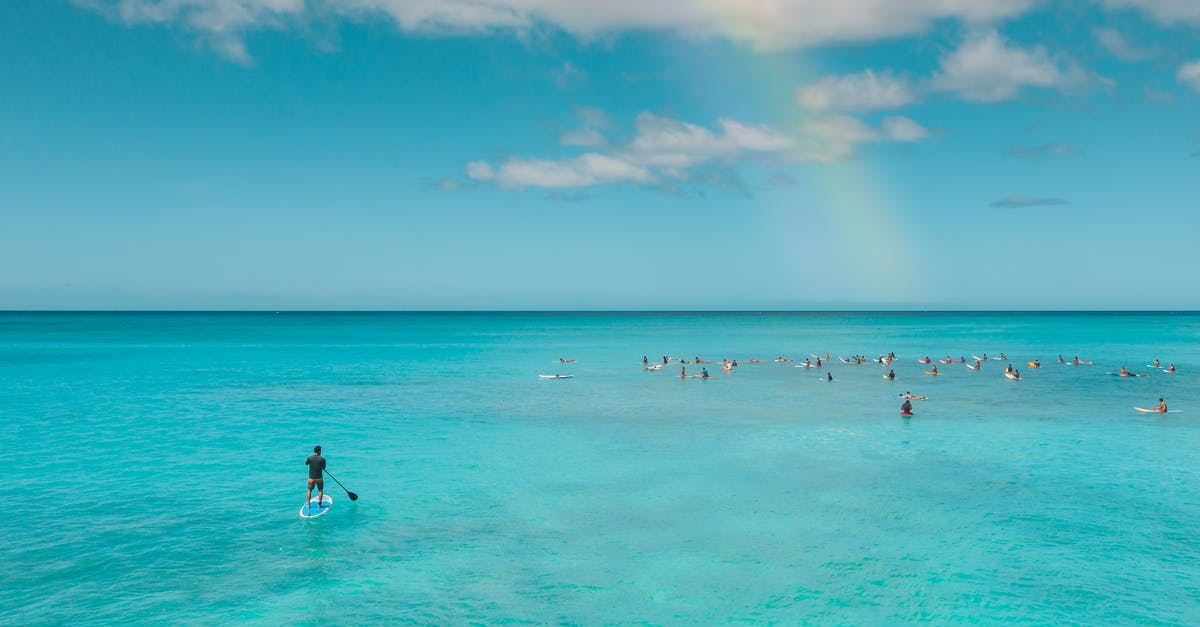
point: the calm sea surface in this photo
(155, 466)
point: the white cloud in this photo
(661, 148)
(1165, 11)
(586, 136)
(664, 149)
(594, 117)
(583, 171)
(764, 24)
(987, 68)
(1113, 41)
(902, 129)
(567, 75)
(1189, 74)
(861, 92)
(480, 171)
(833, 138)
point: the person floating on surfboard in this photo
(316, 466)
(1162, 406)
(906, 408)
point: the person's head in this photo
(317, 449)
(1160, 400)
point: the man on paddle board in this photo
(316, 466)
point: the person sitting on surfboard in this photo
(935, 369)
(1156, 366)
(1162, 406)
(316, 464)
(1060, 360)
(906, 407)
(704, 373)
(1124, 372)
(891, 374)
(1171, 369)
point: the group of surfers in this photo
(728, 365)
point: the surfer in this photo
(1124, 372)
(1162, 406)
(891, 374)
(906, 408)
(1060, 360)
(1156, 366)
(935, 369)
(316, 466)
(1171, 369)
(829, 375)
(704, 373)
(682, 371)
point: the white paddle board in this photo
(310, 509)
(1155, 411)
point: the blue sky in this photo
(528, 154)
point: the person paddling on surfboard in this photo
(316, 464)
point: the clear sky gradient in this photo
(528, 154)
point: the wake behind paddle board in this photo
(310, 509)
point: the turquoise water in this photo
(156, 469)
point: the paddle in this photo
(353, 496)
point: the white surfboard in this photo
(556, 376)
(1155, 411)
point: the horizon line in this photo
(594, 311)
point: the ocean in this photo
(155, 469)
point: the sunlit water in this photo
(155, 469)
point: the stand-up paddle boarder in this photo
(316, 464)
